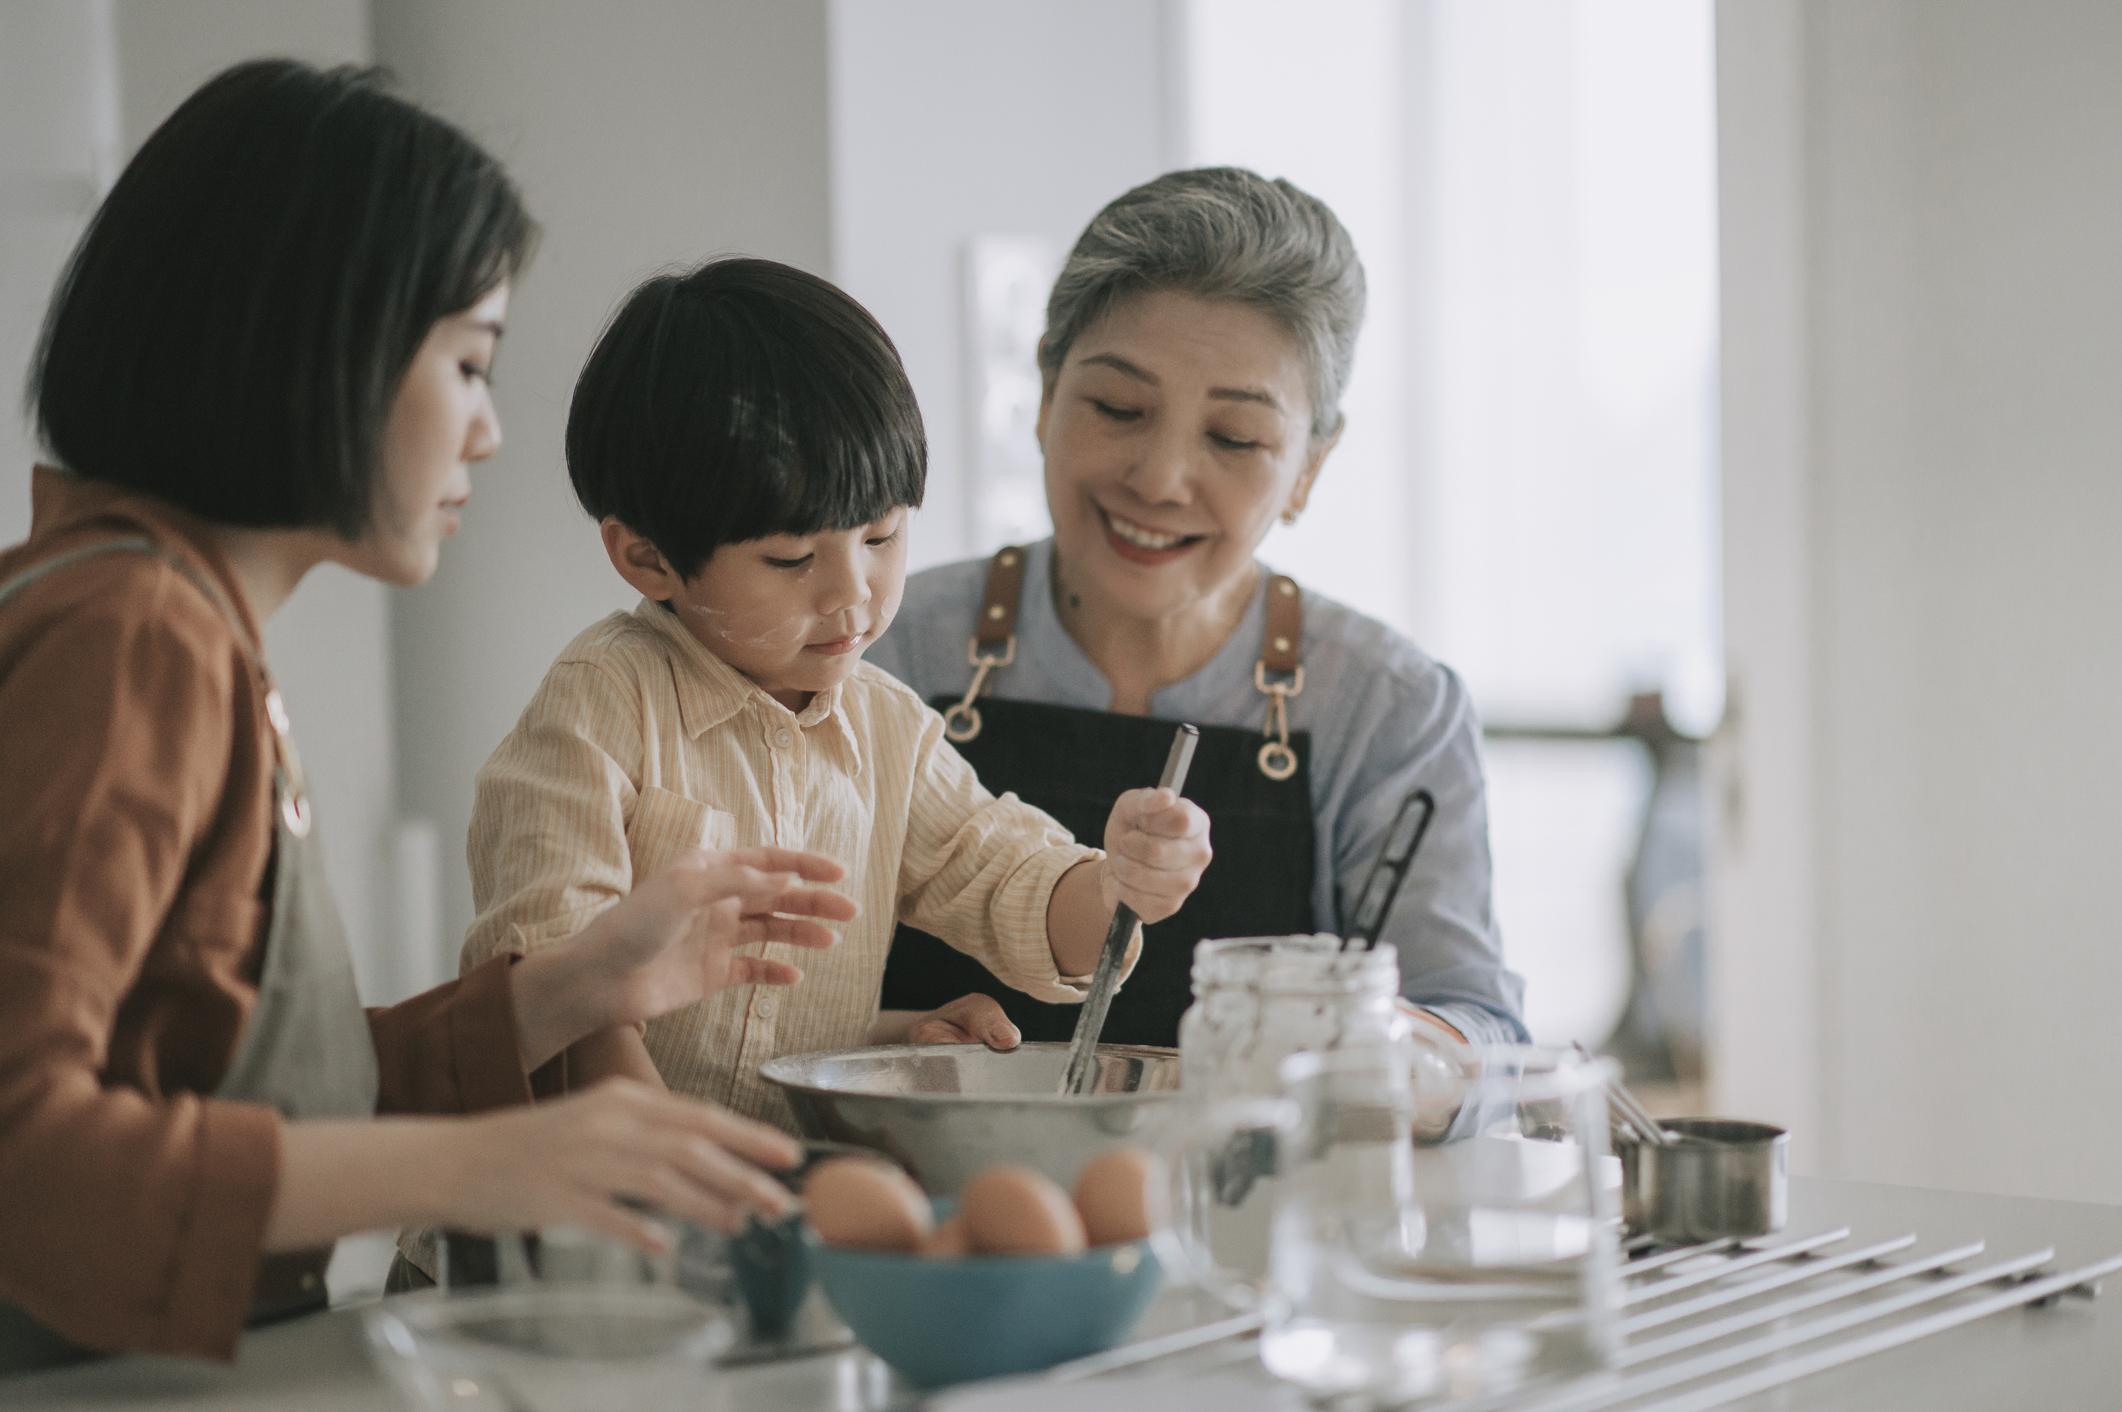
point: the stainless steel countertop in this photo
(2068, 1356)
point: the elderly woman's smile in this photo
(1143, 544)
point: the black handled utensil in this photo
(1386, 875)
(1082, 1075)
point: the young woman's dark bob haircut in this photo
(739, 400)
(231, 331)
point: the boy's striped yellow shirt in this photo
(641, 743)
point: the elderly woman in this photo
(1197, 344)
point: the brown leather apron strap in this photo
(994, 640)
(998, 605)
(1280, 673)
(1282, 650)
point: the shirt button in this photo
(763, 1007)
(785, 738)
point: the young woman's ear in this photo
(639, 562)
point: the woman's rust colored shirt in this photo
(136, 833)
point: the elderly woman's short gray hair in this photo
(1221, 233)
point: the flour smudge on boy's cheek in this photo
(726, 624)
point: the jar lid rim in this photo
(1315, 964)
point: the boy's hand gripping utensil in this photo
(1082, 1075)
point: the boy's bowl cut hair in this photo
(231, 331)
(741, 399)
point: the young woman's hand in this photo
(593, 1158)
(611, 1159)
(675, 939)
(1156, 846)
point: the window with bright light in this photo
(1528, 482)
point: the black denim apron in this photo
(306, 1048)
(1073, 763)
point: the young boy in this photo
(748, 443)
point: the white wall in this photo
(58, 68)
(1955, 259)
(1325, 105)
(107, 74)
(1766, 1033)
(654, 138)
(958, 118)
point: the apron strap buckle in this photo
(962, 721)
(1278, 758)
(1279, 674)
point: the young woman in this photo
(271, 350)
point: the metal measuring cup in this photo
(1714, 1179)
(1687, 1180)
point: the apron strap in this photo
(998, 605)
(1280, 673)
(292, 787)
(59, 561)
(994, 640)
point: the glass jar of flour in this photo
(1257, 1002)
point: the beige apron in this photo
(306, 1048)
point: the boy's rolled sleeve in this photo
(979, 871)
(548, 844)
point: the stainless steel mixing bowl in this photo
(944, 1111)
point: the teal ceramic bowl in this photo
(985, 1316)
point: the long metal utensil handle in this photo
(1082, 1075)
(1394, 859)
(1633, 1115)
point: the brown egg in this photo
(865, 1203)
(1017, 1211)
(948, 1241)
(1112, 1195)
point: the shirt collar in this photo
(826, 708)
(712, 691)
(63, 503)
(1073, 679)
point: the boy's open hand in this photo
(970, 1019)
(675, 938)
(1156, 846)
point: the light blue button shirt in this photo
(1383, 719)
